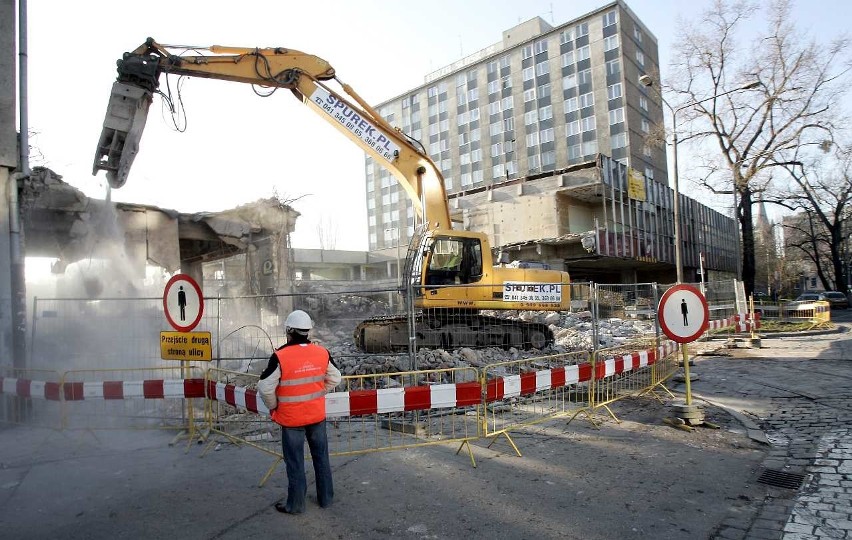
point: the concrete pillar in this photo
(8, 163)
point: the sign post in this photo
(183, 305)
(684, 317)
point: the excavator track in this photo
(436, 330)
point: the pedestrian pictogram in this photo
(183, 303)
(683, 313)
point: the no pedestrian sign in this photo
(183, 303)
(683, 313)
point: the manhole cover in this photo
(782, 479)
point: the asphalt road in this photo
(639, 478)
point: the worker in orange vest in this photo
(293, 386)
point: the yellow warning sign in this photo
(636, 185)
(189, 346)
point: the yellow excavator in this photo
(452, 274)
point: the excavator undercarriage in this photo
(440, 329)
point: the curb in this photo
(752, 429)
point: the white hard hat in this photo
(299, 320)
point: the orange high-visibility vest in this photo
(301, 389)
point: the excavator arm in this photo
(305, 75)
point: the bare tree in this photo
(796, 103)
(822, 197)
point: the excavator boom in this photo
(451, 271)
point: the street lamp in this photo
(646, 80)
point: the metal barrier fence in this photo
(140, 398)
(526, 392)
(814, 312)
(31, 396)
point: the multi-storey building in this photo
(527, 113)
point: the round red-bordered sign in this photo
(183, 303)
(683, 313)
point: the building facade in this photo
(542, 101)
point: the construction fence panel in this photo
(813, 312)
(525, 392)
(106, 333)
(386, 411)
(631, 370)
(31, 396)
(140, 398)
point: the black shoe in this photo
(282, 507)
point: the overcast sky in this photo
(239, 147)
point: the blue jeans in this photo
(293, 443)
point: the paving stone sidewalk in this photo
(798, 390)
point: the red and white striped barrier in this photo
(342, 404)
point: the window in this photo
(442, 106)
(637, 34)
(527, 52)
(474, 115)
(506, 82)
(587, 100)
(582, 30)
(433, 109)
(611, 43)
(649, 173)
(541, 46)
(566, 36)
(583, 53)
(532, 139)
(475, 135)
(542, 68)
(646, 150)
(461, 79)
(473, 94)
(574, 152)
(528, 73)
(640, 58)
(493, 87)
(433, 91)
(476, 155)
(433, 129)
(590, 148)
(497, 171)
(619, 140)
(546, 135)
(531, 117)
(406, 102)
(508, 124)
(545, 113)
(466, 179)
(643, 103)
(494, 108)
(504, 61)
(444, 125)
(616, 116)
(477, 176)
(529, 95)
(492, 66)
(613, 67)
(533, 162)
(584, 77)
(614, 91)
(508, 103)
(461, 96)
(569, 81)
(548, 158)
(610, 18)
(571, 104)
(496, 150)
(646, 126)
(465, 159)
(544, 91)
(568, 59)
(588, 123)
(471, 75)
(495, 129)
(572, 128)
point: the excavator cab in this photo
(454, 261)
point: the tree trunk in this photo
(744, 213)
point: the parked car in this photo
(837, 300)
(811, 297)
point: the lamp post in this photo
(649, 82)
